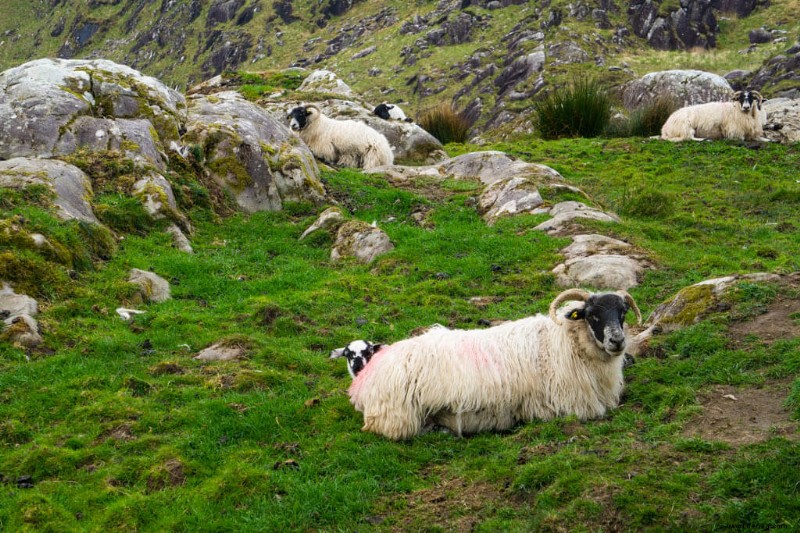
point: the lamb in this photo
(358, 353)
(469, 381)
(742, 118)
(340, 142)
(390, 112)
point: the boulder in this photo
(153, 288)
(325, 81)
(54, 106)
(599, 272)
(220, 352)
(71, 186)
(688, 87)
(783, 120)
(13, 304)
(360, 240)
(251, 154)
(508, 197)
(565, 213)
(17, 312)
(328, 219)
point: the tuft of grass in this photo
(645, 121)
(580, 110)
(445, 123)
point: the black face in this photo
(358, 353)
(382, 110)
(297, 118)
(747, 100)
(605, 316)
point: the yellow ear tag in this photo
(574, 315)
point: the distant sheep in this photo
(358, 354)
(344, 143)
(469, 381)
(742, 118)
(390, 112)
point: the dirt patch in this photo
(776, 324)
(450, 505)
(743, 416)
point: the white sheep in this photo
(358, 353)
(344, 143)
(476, 380)
(742, 118)
(390, 112)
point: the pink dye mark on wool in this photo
(479, 354)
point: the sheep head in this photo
(358, 353)
(604, 314)
(748, 100)
(300, 116)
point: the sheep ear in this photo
(577, 314)
(338, 352)
(377, 347)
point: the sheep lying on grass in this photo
(568, 363)
(742, 118)
(344, 143)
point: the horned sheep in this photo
(540, 367)
(344, 143)
(742, 118)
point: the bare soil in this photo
(777, 323)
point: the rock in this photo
(17, 312)
(360, 240)
(154, 288)
(741, 7)
(781, 72)
(155, 193)
(593, 244)
(365, 52)
(222, 11)
(738, 79)
(689, 87)
(328, 219)
(599, 272)
(519, 71)
(251, 154)
(565, 213)
(492, 166)
(53, 106)
(70, 185)
(567, 52)
(220, 352)
(16, 304)
(783, 120)
(325, 81)
(692, 24)
(509, 197)
(759, 36)
(179, 240)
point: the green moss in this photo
(31, 274)
(689, 305)
(232, 171)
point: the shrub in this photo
(445, 123)
(582, 110)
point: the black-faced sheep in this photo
(390, 112)
(742, 118)
(358, 354)
(344, 143)
(477, 380)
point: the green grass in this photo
(121, 429)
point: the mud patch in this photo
(450, 505)
(779, 322)
(743, 416)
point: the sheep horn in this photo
(759, 97)
(736, 95)
(566, 296)
(629, 300)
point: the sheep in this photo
(340, 142)
(469, 381)
(390, 112)
(742, 118)
(358, 353)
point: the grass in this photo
(580, 110)
(445, 123)
(119, 428)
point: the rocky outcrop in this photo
(600, 262)
(783, 120)
(780, 75)
(361, 241)
(566, 213)
(688, 87)
(71, 186)
(251, 154)
(52, 107)
(692, 24)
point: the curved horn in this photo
(759, 97)
(736, 95)
(629, 300)
(566, 296)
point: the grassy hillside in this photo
(184, 43)
(113, 425)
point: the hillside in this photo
(490, 57)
